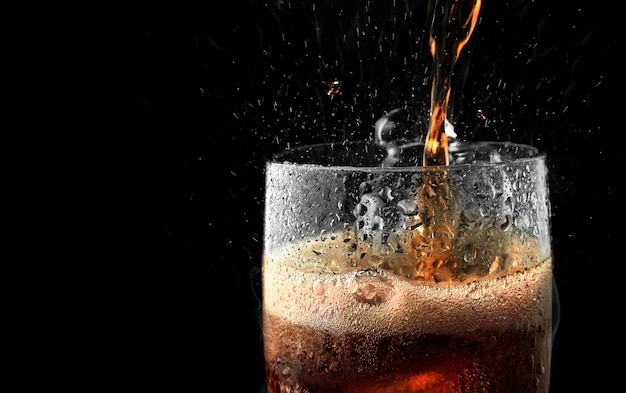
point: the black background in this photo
(188, 138)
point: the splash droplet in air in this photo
(334, 88)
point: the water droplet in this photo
(469, 254)
(495, 265)
(386, 194)
(446, 230)
(368, 212)
(318, 288)
(408, 207)
(365, 187)
(370, 287)
(334, 88)
(541, 369)
(508, 222)
(483, 190)
(285, 367)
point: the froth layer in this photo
(356, 302)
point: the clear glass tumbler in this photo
(397, 277)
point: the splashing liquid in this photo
(453, 22)
(331, 328)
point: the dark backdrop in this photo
(199, 111)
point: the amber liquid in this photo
(453, 22)
(302, 359)
(322, 334)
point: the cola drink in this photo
(374, 332)
(408, 279)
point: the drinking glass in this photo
(380, 274)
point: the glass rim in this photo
(294, 156)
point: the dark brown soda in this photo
(300, 359)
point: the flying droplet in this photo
(470, 254)
(318, 288)
(408, 207)
(334, 88)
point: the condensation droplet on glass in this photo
(508, 204)
(408, 207)
(386, 194)
(495, 265)
(318, 288)
(469, 254)
(541, 369)
(370, 287)
(507, 223)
